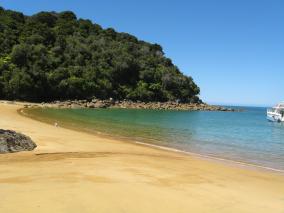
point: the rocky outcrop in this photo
(11, 141)
(127, 104)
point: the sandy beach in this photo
(72, 171)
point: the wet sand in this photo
(72, 171)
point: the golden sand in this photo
(77, 172)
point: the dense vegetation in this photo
(51, 56)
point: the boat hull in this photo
(276, 114)
(274, 118)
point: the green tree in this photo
(51, 56)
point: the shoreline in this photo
(73, 171)
(167, 148)
(215, 159)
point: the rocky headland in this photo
(127, 104)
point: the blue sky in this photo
(234, 49)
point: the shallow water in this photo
(240, 136)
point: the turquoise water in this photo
(240, 136)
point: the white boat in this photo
(276, 114)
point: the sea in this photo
(243, 137)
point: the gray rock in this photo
(100, 105)
(111, 103)
(11, 141)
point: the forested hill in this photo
(56, 56)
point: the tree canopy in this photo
(56, 56)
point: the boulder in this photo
(11, 141)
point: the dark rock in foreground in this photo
(11, 141)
